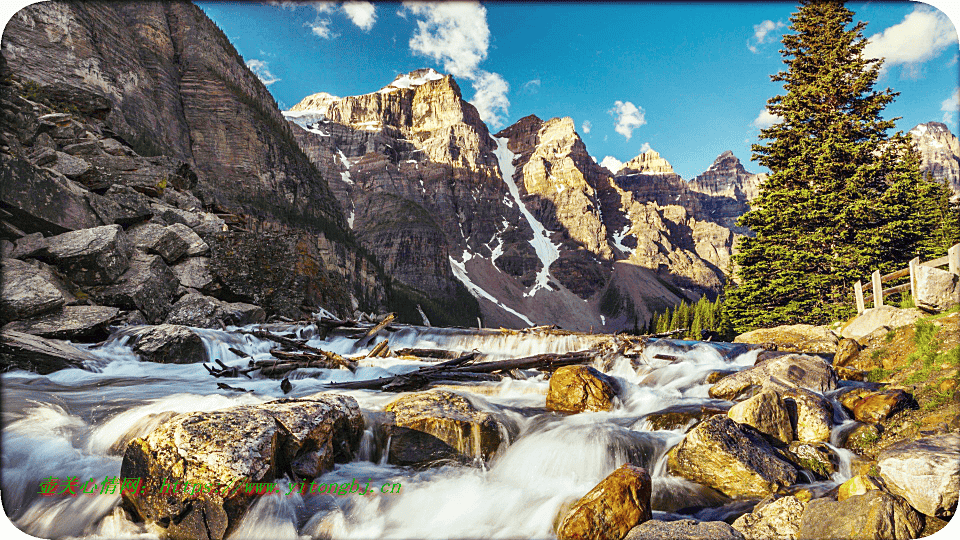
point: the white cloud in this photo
(765, 119)
(490, 98)
(261, 69)
(586, 126)
(628, 118)
(531, 87)
(922, 35)
(612, 164)
(951, 106)
(363, 14)
(645, 147)
(321, 28)
(762, 34)
(456, 36)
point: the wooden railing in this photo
(952, 260)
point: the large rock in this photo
(618, 503)
(42, 200)
(875, 515)
(778, 520)
(194, 273)
(875, 406)
(874, 318)
(72, 167)
(766, 412)
(803, 371)
(196, 245)
(937, 290)
(816, 457)
(847, 351)
(736, 461)
(148, 285)
(169, 344)
(796, 338)
(226, 449)
(580, 388)
(131, 205)
(811, 414)
(925, 472)
(71, 322)
(161, 240)
(25, 293)
(684, 416)
(683, 529)
(201, 311)
(95, 256)
(440, 425)
(34, 353)
(857, 485)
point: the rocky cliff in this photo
(164, 80)
(940, 153)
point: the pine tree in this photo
(842, 198)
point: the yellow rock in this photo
(858, 485)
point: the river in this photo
(71, 422)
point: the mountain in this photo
(940, 153)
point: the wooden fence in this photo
(952, 260)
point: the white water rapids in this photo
(71, 422)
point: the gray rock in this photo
(209, 225)
(874, 515)
(240, 313)
(25, 293)
(6, 248)
(874, 318)
(84, 148)
(93, 256)
(172, 214)
(735, 460)
(196, 244)
(148, 285)
(925, 472)
(42, 200)
(182, 200)
(194, 273)
(72, 322)
(34, 353)
(161, 240)
(134, 207)
(792, 370)
(937, 290)
(72, 167)
(43, 156)
(169, 344)
(55, 278)
(28, 246)
(230, 448)
(683, 529)
(778, 520)
(194, 309)
(115, 148)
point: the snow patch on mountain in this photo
(460, 272)
(411, 80)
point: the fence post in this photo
(953, 258)
(914, 263)
(858, 290)
(877, 289)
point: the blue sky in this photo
(688, 80)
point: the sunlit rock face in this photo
(939, 152)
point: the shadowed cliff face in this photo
(178, 88)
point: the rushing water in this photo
(71, 423)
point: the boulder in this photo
(168, 344)
(794, 338)
(818, 458)
(199, 469)
(42, 200)
(936, 290)
(683, 529)
(875, 515)
(860, 436)
(847, 351)
(194, 273)
(196, 245)
(858, 485)
(766, 412)
(71, 322)
(55, 278)
(158, 239)
(25, 293)
(148, 285)
(95, 256)
(72, 167)
(794, 370)
(811, 415)
(611, 509)
(875, 406)
(576, 389)
(194, 309)
(874, 318)
(42, 355)
(732, 459)
(183, 200)
(777, 520)
(684, 416)
(28, 246)
(132, 206)
(439, 425)
(925, 472)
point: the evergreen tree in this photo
(842, 197)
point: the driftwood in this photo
(381, 350)
(227, 371)
(297, 344)
(461, 369)
(223, 386)
(368, 336)
(428, 353)
(42, 355)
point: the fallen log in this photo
(381, 350)
(302, 345)
(428, 353)
(363, 341)
(41, 355)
